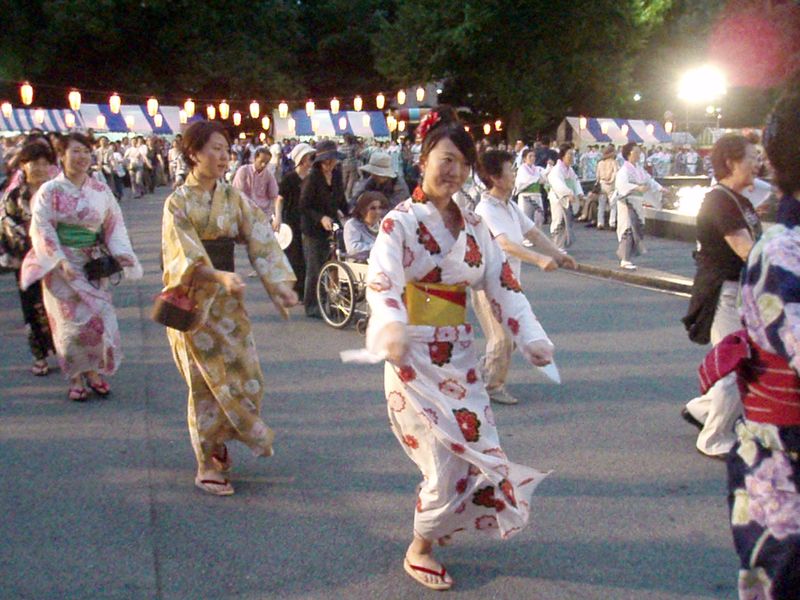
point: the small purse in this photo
(101, 267)
(175, 309)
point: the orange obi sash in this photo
(436, 304)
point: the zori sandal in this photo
(222, 460)
(40, 368)
(417, 572)
(214, 486)
(99, 387)
(78, 393)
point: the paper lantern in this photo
(420, 94)
(38, 116)
(237, 118)
(582, 122)
(211, 112)
(604, 127)
(265, 123)
(342, 122)
(69, 120)
(74, 98)
(487, 128)
(314, 125)
(130, 121)
(188, 107)
(358, 103)
(7, 109)
(466, 128)
(401, 126)
(310, 108)
(365, 120)
(498, 125)
(255, 110)
(114, 103)
(650, 128)
(334, 106)
(291, 124)
(101, 122)
(224, 109)
(182, 117)
(668, 126)
(242, 136)
(262, 136)
(624, 129)
(283, 110)
(152, 107)
(380, 101)
(391, 123)
(26, 93)
(401, 97)
(158, 120)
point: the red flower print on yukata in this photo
(450, 387)
(408, 256)
(440, 352)
(457, 448)
(472, 255)
(64, 203)
(431, 415)
(92, 332)
(461, 485)
(507, 278)
(469, 423)
(445, 333)
(473, 471)
(467, 328)
(387, 225)
(508, 492)
(433, 276)
(461, 508)
(380, 282)
(513, 325)
(472, 376)
(418, 195)
(472, 218)
(406, 373)
(496, 451)
(427, 240)
(392, 303)
(397, 401)
(410, 441)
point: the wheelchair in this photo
(341, 287)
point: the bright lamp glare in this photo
(703, 84)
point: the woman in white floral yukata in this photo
(427, 253)
(203, 219)
(76, 219)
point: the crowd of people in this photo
(439, 221)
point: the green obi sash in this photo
(534, 188)
(75, 236)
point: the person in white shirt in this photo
(631, 183)
(528, 187)
(509, 228)
(692, 158)
(565, 196)
(135, 163)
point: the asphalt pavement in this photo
(98, 498)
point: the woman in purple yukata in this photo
(75, 219)
(427, 253)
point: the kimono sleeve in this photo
(263, 250)
(46, 249)
(558, 184)
(386, 281)
(116, 238)
(623, 183)
(181, 248)
(509, 305)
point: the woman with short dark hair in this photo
(35, 160)
(361, 229)
(203, 219)
(564, 196)
(75, 220)
(428, 252)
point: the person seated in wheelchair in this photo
(361, 229)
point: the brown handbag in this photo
(175, 309)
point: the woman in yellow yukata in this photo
(427, 253)
(203, 219)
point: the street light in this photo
(701, 85)
(637, 96)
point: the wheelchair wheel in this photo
(336, 294)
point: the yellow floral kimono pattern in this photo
(218, 357)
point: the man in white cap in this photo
(381, 177)
(302, 156)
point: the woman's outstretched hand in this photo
(539, 353)
(395, 342)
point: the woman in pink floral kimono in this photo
(426, 255)
(75, 219)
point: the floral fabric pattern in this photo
(218, 359)
(80, 313)
(437, 397)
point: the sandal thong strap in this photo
(440, 574)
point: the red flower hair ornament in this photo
(427, 123)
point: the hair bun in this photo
(447, 114)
